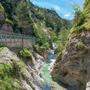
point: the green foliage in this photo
(87, 14)
(77, 30)
(2, 45)
(62, 40)
(82, 17)
(73, 30)
(8, 8)
(1, 48)
(81, 22)
(87, 4)
(59, 48)
(63, 36)
(10, 75)
(86, 25)
(1, 8)
(41, 49)
(42, 38)
(39, 30)
(80, 46)
(4, 68)
(9, 83)
(6, 80)
(8, 21)
(15, 71)
(53, 36)
(44, 47)
(22, 15)
(79, 17)
(25, 53)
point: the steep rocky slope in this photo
(21, 14)
(18, 73)
(72, 67)
(22, 72)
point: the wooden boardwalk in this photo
(16, 40)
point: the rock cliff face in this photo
(19, 74)
(72, 68)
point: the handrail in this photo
(16, 39)
(19, 36)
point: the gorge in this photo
(39, 50)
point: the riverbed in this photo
(45, 72)
(49, 84)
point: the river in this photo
(45, 73)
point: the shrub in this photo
(6, 80)
(1, 8)
(87, 25)
(5, 69)
(62, 40)
(26, 53)
(8, 21)
(80, 45)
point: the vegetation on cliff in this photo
(71, 68)
(16, 73)
(47, 27)
(25, 18)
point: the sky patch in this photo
(64, 8)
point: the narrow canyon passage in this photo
(49, 84)
(45, 73)
(44, 44)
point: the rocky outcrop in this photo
(72, 69)
(25, 76)
(6, 55)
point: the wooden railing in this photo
(16, 40)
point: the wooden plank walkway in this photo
(16, 40)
